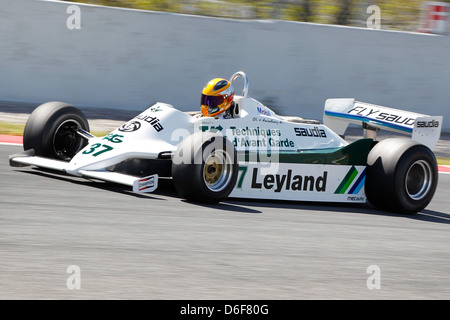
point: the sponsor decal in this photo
(130, 126)
(428, 124)
(263, 111)
(154, 121)
(301, 182)
(255, 132)
(289, 181)
(259, 137)
(356, 198)
(264, 119)
(269, 120)
(212, 128)
(348, 179)
(146, 183)
(378, 114)
(310, 132)
(114, 138)
(264, 142)
(155, 109)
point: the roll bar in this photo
(244, 76)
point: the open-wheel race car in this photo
(257, 154)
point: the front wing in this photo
(139, 184)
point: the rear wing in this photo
(339, 113)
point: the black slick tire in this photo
(51, 131)
(204, 168)
(401, 176)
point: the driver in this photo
(217, 99)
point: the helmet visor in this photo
(211, 101)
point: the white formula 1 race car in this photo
(255, 155)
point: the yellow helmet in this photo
(217, 96)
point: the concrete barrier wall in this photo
(129, 59)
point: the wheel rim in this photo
(66, 141)
(217, 171)
(418, 180)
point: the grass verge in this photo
(11, 128)
(14, 129)
(443, 161)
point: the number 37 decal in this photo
(95, 146)
(98, 148)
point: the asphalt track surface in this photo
(158, 246)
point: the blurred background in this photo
(396, 14)
(296, 53)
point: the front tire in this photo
(402, 176)
(204, 168)
(51, 130)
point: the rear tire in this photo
(402, 176)
(204, 168)
(51, 131)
